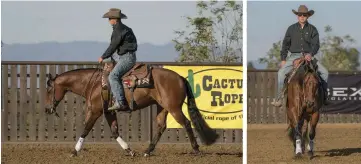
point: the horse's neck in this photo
(299, 75)
(78, 82)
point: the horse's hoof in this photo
(74, 153)
(197, 153)
(146, 154)
(310, 155)
(298, 155)
(132, 153)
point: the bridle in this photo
(306, 82)
(55, 103)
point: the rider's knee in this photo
(281, 74)
(112, 76)
(325, 74)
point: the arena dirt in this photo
(334, 143)
(25, 153)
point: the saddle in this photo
(298, 64)
(139, 76)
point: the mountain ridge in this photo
(81, 51)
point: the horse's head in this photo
(306, 75)
(311, 86)
(52, 97)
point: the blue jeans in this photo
(288, 67)
(124, 64)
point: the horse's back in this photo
(169, 82)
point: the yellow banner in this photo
(218, 93)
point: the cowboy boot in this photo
(325, 92)
(279, 101)
(120, 106)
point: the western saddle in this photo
(297, 63)
(139, 76)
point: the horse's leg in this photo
(161, 121)
(314, 120)
(186, 124)
(304, 131)
(113, 124)
(90, 120)
(290, 133)
(296, 125)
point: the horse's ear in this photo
(50, 76)
(48, 83)
(50, 80)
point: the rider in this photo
(301, 38)
(124, 41)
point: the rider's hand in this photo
(282, 63)
(100, 60)
(308, 57)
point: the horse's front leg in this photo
(111, 118)
(90, 120)
(298, 137)
(296, 124)
(304, 132)
(314, 120)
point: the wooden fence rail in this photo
(261, 91)
(23, 117)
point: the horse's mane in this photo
(74, 71)
(82, 69)
(79, 70)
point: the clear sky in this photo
(154, 22)
(32, 22)
(268, 21)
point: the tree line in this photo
(213, 35)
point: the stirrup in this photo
(120, 107)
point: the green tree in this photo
(273, 57)
(215, 34)
(250, 66)
(336, 53)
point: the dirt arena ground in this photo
(112, 153)
(334, 143)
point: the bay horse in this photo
(168, 90)
(304, 100)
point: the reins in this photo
(86, 86)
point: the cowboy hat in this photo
(115, 13)
(302, 9)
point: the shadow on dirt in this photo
(220, 154)
(341, 152)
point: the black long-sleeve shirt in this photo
(122, 39)
(299, 40)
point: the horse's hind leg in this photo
(113, 124)
(182, 120)
(314, 120)
(90, 120)
(161, 121)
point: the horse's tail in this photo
(207, 135)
